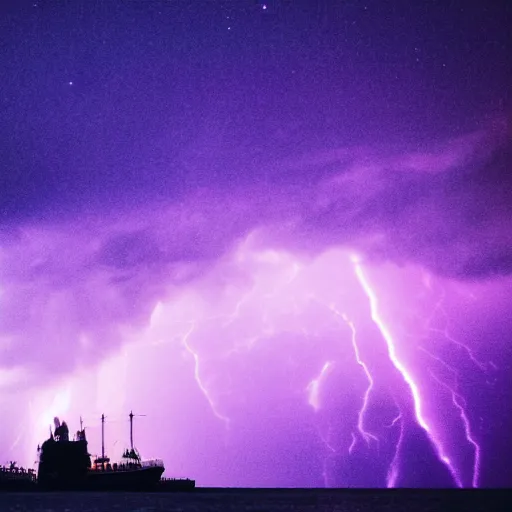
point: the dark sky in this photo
(283, 226)
(103, 99)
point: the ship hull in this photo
(10, 483)
(142, 479)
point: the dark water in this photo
(279, 500)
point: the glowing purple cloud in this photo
(242, 308)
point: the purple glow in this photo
(279, 232)
(280, 295)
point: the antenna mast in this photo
(102, 436)
(131, 429)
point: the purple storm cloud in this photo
(305, 336)
(279, 232)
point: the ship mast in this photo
(103, 436)
(132, 453)
(131, 430)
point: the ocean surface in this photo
(262, 500)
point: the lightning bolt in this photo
(460, 403)
(268, 328)
(197, 375)
(401, 368)
(367, 436)
(445, 332)
(332, 452)
(273, 301)
(313, 387)
(393, 471)
(395, 421)
(352, 444)
(457, 400)
(228, 319)
(18, 439)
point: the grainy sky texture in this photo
(280, 230)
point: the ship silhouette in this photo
(65, 465)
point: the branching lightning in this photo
(247, 344)
(457, 400)
(390, 343)
(401, 368)
(367, 436)
(445, 332)
(460, 404)
(275, 297)
(314, 385)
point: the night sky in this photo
(279, 230)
